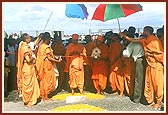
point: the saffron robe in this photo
(26, 76)
(154, 79)
(128, 74)
(75, 58)
(45, 70)
(99, 68)
(116, 73)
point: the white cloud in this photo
(57, 8)
(34, 16)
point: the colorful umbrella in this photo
(76, 11)
(105, 12)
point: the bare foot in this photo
(115, 93)
(156, 106)
(81, 92)
(121, 95)
(47, 100)
(102, 93)
(152, 104)
(72, 92)
(98, 93)
(29, 105)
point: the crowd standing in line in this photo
(122, 63)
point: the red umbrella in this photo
(105, 12)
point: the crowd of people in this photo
(124, 63)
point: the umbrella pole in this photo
(48, 20)
(119, 25)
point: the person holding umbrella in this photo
(154, 79)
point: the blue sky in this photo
(30, 17)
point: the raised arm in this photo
(38, 39)
(122, 35)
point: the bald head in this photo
(149, 29)
(75, 37)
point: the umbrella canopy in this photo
(76, 11)
(105, 12)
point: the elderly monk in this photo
(99, 75)
(154, 79)
(26, 75)
(116, 78)
(45, 68)
(75, 59)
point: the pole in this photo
(48, 20)
(119, 25)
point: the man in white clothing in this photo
(136, 51)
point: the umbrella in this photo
(76, 11)
(105, 12)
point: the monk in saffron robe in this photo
(99, 75)
(45, 68)
(116, 73)
(75, 59)
(59, 50)
(154, 79)
(26, 75)
(88, 68)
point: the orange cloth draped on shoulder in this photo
(154, 79)
(75, 57)
(26, 76)
(45, 69)
(128, 72)
(99, 68)
(116, 74)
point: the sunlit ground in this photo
(77, 107)
(88, 96)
